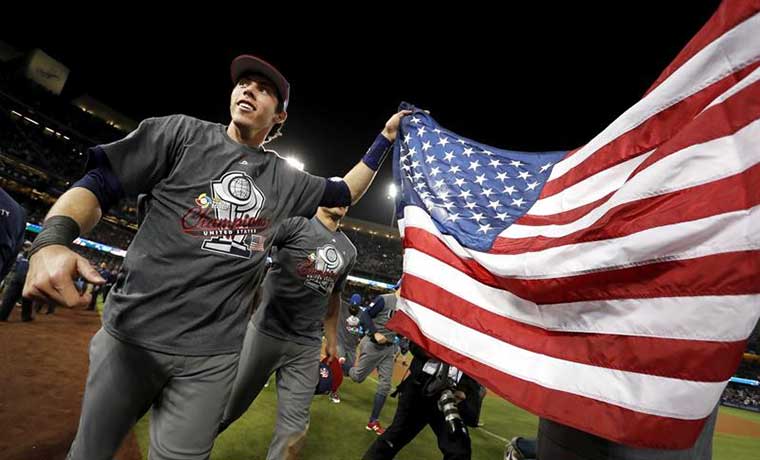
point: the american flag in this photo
(611, 288)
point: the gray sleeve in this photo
(341, 283)
(306, 193)
(146, 155)
(287, 231)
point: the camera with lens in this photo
(442, 387)
(447, 404)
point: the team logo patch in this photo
(203, 200)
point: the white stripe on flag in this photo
(694, 165)
(590, 189)
(662, 396)
(713, 318)
(745, 82)
(718, 234)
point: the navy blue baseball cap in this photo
(325, 382)
(248, 64)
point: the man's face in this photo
(337, 213)
(253, 104)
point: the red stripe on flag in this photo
(563, 217)
(705, 361)
(731, 194)
(722, 120)
(592, 416)
(731, 273)
(718, 121)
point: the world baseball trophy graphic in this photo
(235, 197)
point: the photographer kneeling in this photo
(434, 394)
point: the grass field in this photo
(745, 414)
(337, 430)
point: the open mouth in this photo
(246, 106)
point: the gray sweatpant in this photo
(373, 356)
(347, 348)
(557, 441)
(187, 395)
(297, 370)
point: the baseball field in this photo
(44, 364)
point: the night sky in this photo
(537, 78)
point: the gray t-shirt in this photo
(310, 262)
(197, 259)
(385, 314)
(346, 338)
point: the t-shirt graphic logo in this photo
(328, 258)
(322, 268)
(236, 200)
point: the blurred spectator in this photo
(379, 257)
(742, 395)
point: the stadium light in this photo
(295, 162)
(392, 194)
(392, 191)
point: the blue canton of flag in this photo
(472, 191)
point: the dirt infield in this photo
(44, 367)
(731, 424)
